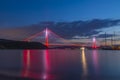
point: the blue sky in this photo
(26, 12)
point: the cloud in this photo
(110, 30)
(80, 37)
(68, 30)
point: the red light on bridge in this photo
(94, 43)
(46, 37)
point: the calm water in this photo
(59, 64)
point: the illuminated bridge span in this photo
(49, 38)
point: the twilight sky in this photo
(26, 12)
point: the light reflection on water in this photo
(60, 64)
(46, 60)
(29, 60)
(84, 63)
(95, 61)
(26, 63)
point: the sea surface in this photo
(59, 64)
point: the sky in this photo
(14, 13)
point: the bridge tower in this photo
(46, 37)
(94, 43)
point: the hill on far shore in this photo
(11, 44)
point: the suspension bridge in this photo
(50, 38)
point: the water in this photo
(59, 64)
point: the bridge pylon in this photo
(94, 46)
(46, 37)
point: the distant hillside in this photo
(10, 44)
